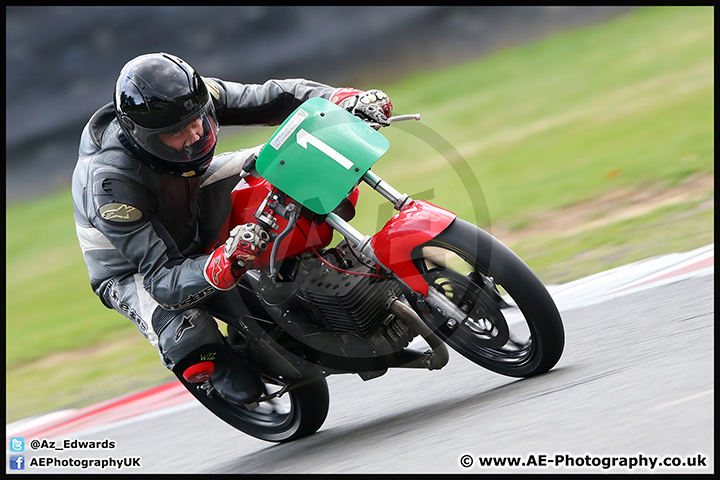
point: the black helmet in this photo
(160, 93)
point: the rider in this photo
(150, 197)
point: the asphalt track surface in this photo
(634, 389)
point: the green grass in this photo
(50, 307)
(626, 105)
(675, 228)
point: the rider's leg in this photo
(188, 341)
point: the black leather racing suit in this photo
(142, 232)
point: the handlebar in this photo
(398, 118)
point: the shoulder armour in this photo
(212, 87)
(119, 199)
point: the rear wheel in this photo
(295, 414)
(511, 323)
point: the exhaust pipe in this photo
(433, 359)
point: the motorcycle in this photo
(313, 310)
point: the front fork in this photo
(391, 248)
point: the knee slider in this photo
(187, 337)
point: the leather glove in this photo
(229, 262)
(372, 105)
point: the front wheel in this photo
(295, 414)
(511, 323)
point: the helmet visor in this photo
(188, 141)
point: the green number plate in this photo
(319, 153)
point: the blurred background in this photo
(62, 62)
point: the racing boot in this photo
(192, 346)
(235, 380)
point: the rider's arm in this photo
(126, 236)
(124, 215)
(271, 102)
(262, 104)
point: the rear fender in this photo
(417, 223)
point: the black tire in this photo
(491, 269)
(297, 413)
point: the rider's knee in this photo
(187, 336)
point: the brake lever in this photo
(397, 118)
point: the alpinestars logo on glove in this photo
(216, 270)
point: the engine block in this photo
(348, 302)
(354, 300)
